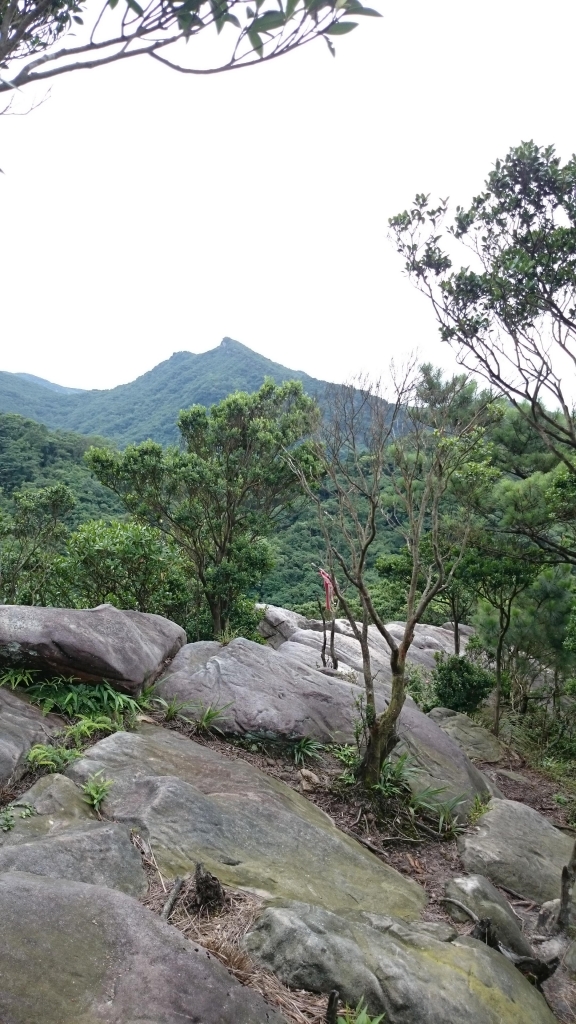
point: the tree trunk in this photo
(498, 684)
(383, 737)
(456, 626)
(216, 612)
(332, 652)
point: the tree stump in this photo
(209, 891)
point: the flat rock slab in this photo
(21, 726)
(82, 954)
(127, 648)
(478, 894)
(478, 743)
(64, 839)
(515, 846)
(194, 804)
(400, 971)
(277, 694)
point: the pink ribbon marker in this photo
(328, 588)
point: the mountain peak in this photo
(149, 406)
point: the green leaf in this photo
(330, 45)
(256, 42)
(354, 7)
(233, 20)
(340, 28)
(268, 22)
(77, 19)
(250, 12)
(291, 6)
(112, 3)
(135, 6)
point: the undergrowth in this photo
(394, 801)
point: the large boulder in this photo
(265, 693)
(273, 693)
(83, 954)
(127, 648)
(481, 897)
(21, 726)
(194, 804)
(63, 838)
(516, 847)
(400, 970)
(476, 741)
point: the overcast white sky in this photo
(143, 212)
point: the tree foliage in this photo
(32, 456)
(28, 538)
(460, 684)
(249, 31)
(510, 313)
(219, 495)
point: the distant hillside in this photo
(48, 384)
(147, 407)
(31, 455)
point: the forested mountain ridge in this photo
(148, 407)
(33, 456)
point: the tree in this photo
(499, 572)
(126, 564)
(455, 601)
(511, 315)
(248, 34)
(35, 530)
(219, 495)
(397, 465)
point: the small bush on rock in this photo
(360, 1015)
(95, 789)
(51, 759)
(460, 684)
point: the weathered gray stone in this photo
(194, 804)
(478, 894)
(21, 726)
(570, 958)
(439, 930)
(400, 970)
(273, 694)
(268, 694)
(517, 847)
(478, 743)
(278, 624)
(82, 954)
(127, 648)
(64, 839)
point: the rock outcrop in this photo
(194, 804)
(401, 971)
(74, 953)
(21, 726)
(127, 648)
(478, 743)
(481, 897)
(280, 693)
(516, 847)
(63, 838)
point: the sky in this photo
(144, 212)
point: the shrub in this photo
(460, 684)
(421, 689)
